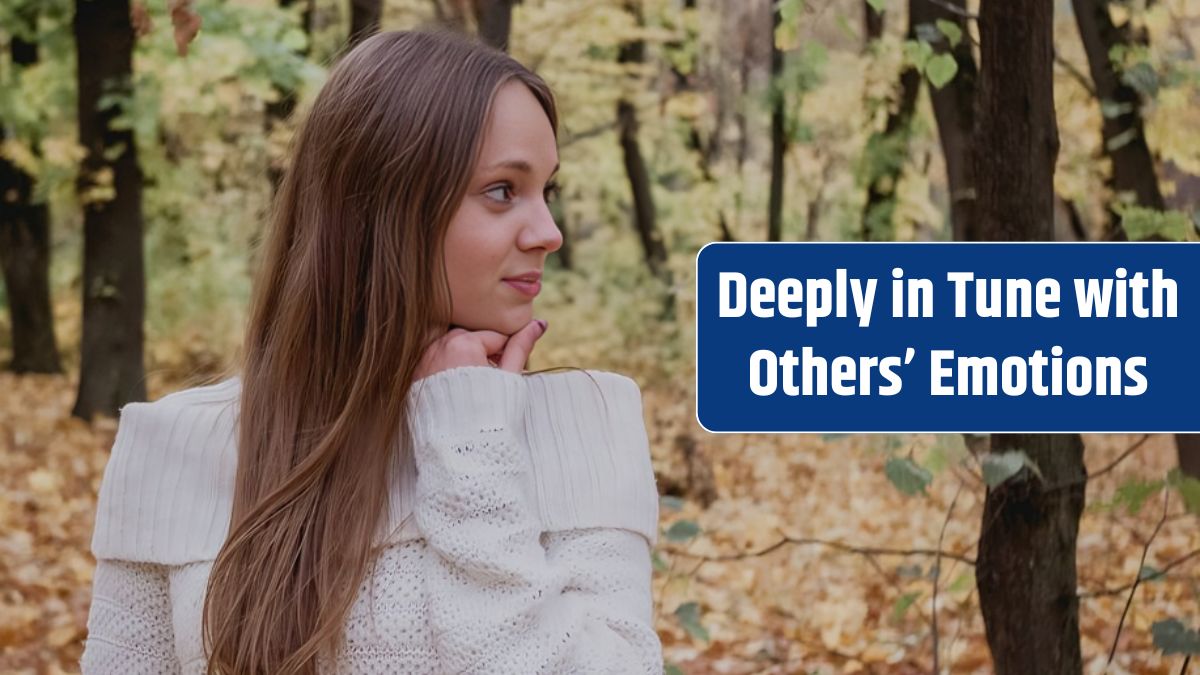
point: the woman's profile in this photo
(381, 487)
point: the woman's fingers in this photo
(520, 345)
(463, 347)
(492, 341)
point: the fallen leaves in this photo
(829, 611)
(797, 609)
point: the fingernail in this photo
(543, 323)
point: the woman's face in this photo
(503, 228)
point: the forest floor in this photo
(800, 608)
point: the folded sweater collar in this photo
(167, 491)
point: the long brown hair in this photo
(351, 282)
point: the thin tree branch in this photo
(1141, 565)
(807, 541)
(1128, 451)
(954, 9)
(937, 573)
(1161, 573)
(1109, 467)
(1078, 75)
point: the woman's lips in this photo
(528, 288)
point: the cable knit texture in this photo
(517, 540)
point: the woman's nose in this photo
(541, 231)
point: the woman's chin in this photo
(508, 324)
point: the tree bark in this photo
(25, 253)
(111, 368)
(364, 19)
(779, 141)
(954, 111)
(495, 21)
(633, 52)
(1123, 132)
(1187, 448)
(891, 144)
(1133, 170)
(872, 25)
(1025, 568)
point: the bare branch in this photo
(1128, 451)
(937, 573)
(1161, 573)
(808, 541)
(1141, 566)
(1075, 73)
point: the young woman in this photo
(381, 488)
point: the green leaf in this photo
(789, 10)
(294, 39)
(671, 669)
(1149, 573)
(689, 617)
(1142, 77)
(1143, 223)
(1172, 637)
(1113, 109)
(1133, 493)
(951, 30)
(877, 5)
(1121, 140)
(961, 583)
(940, 69)
(903, 603)
(659, 563)
(998, 468)
(1188, 488)
(908, 476)
(682, 530)
(671, 502)
(917, 53)
(947, 449)
(927, 32)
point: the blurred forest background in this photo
(141, 142)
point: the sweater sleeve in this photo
(129, 623)
(499, 600)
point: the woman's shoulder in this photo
(167, 489)
(587, 435)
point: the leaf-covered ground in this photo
(801, 608)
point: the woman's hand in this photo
(462, 347)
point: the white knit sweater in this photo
(528, 549)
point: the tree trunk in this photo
(364, 19)
(1132, 164)
(778, 135)
(25, 254)
(565, 252)
(888, 151)
(495, 21)
(1187, 448)
(686, 83)
(114, 290)
(644, 219)
(1025, 569)
(1123, 130)
(872, 25)
(954, 110)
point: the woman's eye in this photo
(551, 192)
(500, 193)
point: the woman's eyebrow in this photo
(518, 165)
